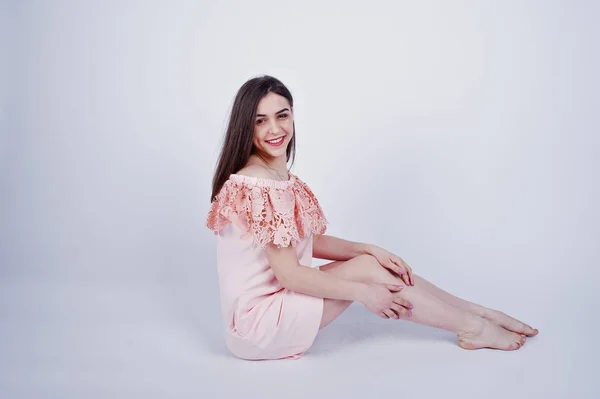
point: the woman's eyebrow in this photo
(278, 112)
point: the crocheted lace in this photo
(269, 211)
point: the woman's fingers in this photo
(390, 313)
(399, 310)
(410, 274)
(403, 302)
(407, 273)
(394, 287)
(394, 267)
(383, 315)
(406, 279)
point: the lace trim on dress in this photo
(269, 211)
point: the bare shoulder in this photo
(255, 171)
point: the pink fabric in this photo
(281, 212)
(262, 319)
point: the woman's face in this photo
(273, 126)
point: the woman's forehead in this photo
(272, 103)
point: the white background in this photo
(461, 135)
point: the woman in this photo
(270, 226)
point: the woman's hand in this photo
(380, 299)
(393, 262)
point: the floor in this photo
(70, 338)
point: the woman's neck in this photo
(279, 164)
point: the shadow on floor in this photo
(339, 336)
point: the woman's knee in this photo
(363, 268)
(360, 268)
(373, 272)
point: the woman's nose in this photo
(273, 127)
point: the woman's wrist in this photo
(365, 249)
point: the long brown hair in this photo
(237, 145)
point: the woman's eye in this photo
(282, 116)
(259, 121)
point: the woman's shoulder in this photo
(282, 211)
(256, 171)
(260, 176)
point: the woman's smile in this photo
(276, 142)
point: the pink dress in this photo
(262, 319)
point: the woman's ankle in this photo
(472, 325)
(479, 310)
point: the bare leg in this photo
(472, 330)
(332, 308)
(497, 317)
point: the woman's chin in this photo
(276, 153)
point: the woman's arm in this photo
(311, 281)
(334, 248)
(378, 298)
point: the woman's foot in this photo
(490, 335)
(509, 323)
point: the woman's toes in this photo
(530, 331)
(509, 323)
(535, 332)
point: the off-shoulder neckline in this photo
(263, 181)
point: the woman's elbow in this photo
(285, 280)
(286, 276)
